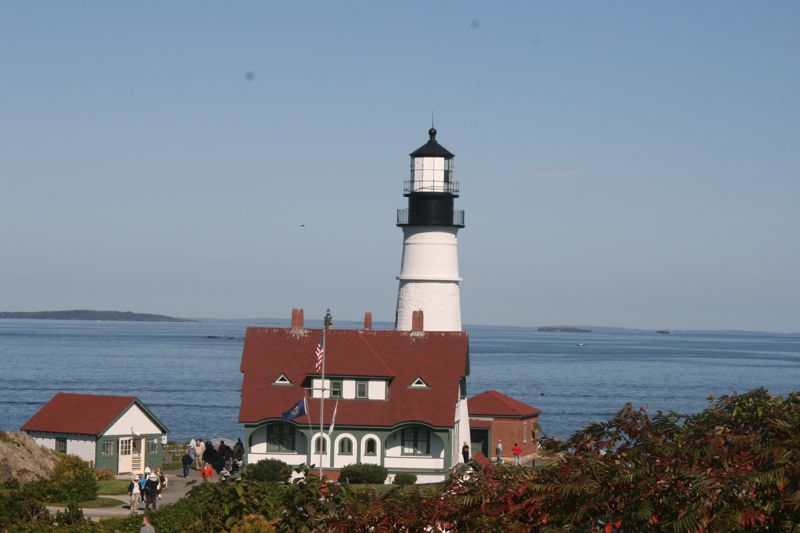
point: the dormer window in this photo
(282, 380)
(419, 383)
(361, 389)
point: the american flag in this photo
(319, 351)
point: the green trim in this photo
(380, 434)
(54, 435)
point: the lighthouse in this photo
(429, 278)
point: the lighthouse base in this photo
(440, 302)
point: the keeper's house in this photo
(399, 398)
(494, 417)
(115, 432)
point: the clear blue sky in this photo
(621, 163)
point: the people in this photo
(517, 451)
(238, 449)
(186, 461)
(142, 483)
(465, 452)
(151, 491)
(499, 452)
(162, 481)
(207, 472)
(200, 450)
(133, 492)
(146, 526)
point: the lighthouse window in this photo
(416, 441)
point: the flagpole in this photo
(328, 321)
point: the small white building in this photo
(114, 432)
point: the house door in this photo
(125, 457)
(480, 441)
(137, 456)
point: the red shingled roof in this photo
(439, 358)
(84, 414)
(493, 403)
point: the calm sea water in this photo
(192, 382)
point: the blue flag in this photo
(297, 410)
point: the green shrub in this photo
(210, 508)
(20, 506)
(74, 480)
(71, 515)
(405, 478)
(273, 470)
(374, 474)
(104, 474)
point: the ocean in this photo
(188, 373)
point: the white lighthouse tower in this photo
(429, 279)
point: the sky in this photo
(629, 164)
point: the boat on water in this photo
(663, 332)
(580, 344)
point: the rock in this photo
(21, 458)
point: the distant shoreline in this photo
(88, 314)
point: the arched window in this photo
(280, 438)
(371, 447)
(416, 441)
(324, 445)
(346, 446)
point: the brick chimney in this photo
(417, 320)
(368, 321)
(297, 319)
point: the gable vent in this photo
(282, 380)
(419, 384)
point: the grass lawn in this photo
(92, 504)
(112, 486)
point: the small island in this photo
(564, 329)
(88, 314)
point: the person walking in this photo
(142, 483)
(133, 492)
(151, 491)
(200, 450)
(162, 481)
(146, 526)
(517, 451)
(207, 472)
(465, 452)
(186, 461)
(499, 452)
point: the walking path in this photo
(177, 487)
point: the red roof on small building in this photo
(439, 358)
(493, 403)
(83, 414)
